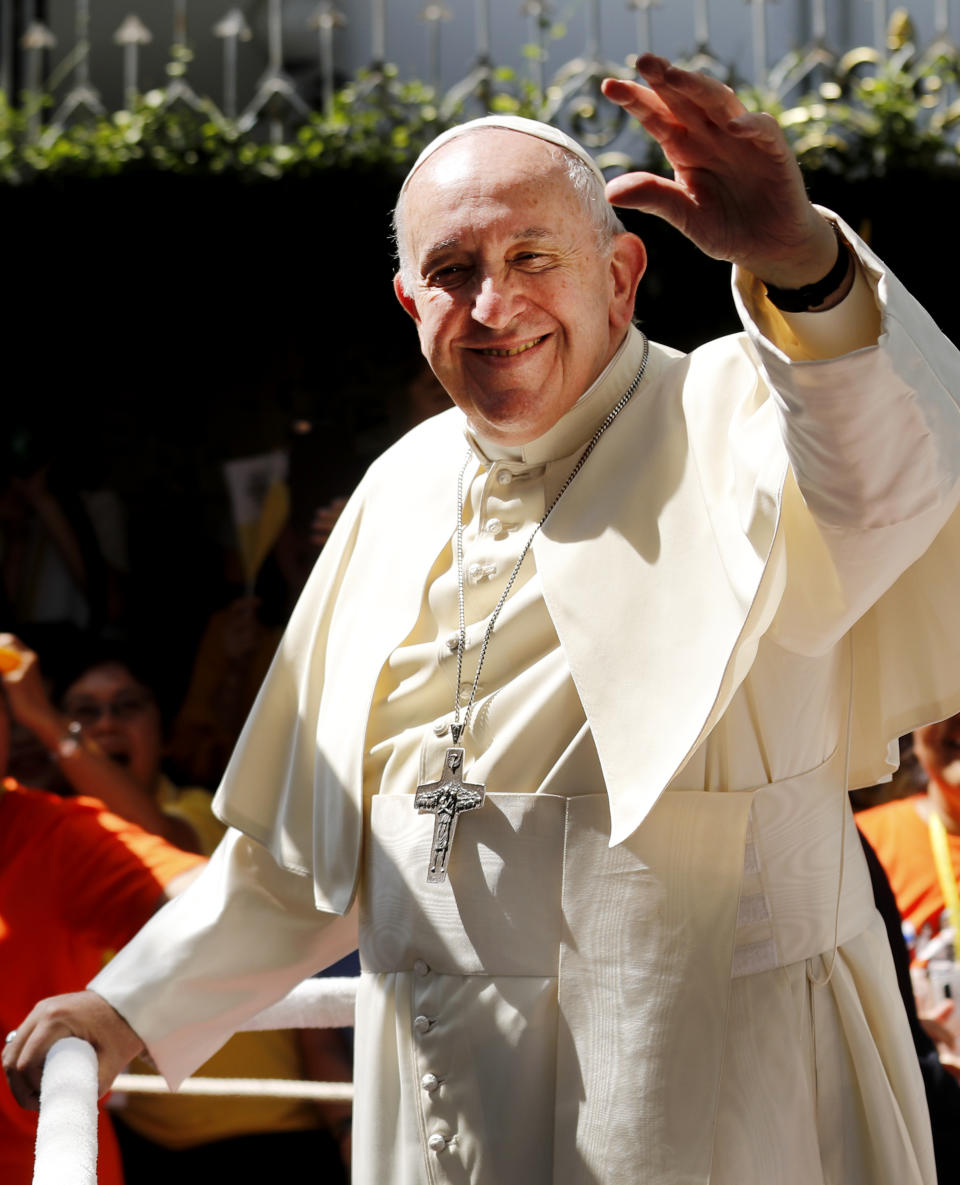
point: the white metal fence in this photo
(261, 56)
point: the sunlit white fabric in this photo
(687, 626)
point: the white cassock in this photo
(747, 592)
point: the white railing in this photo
(67, 1125)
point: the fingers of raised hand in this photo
(676, 104)
(764, 131)
(689, 137)
(642, 103)
(648, 192)
(688, 92)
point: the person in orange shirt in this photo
(111, 736)
(904, 834)
(900, 831)
(76, 882)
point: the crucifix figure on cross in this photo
(446, 799)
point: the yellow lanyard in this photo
(945, 873)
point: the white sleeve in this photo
(873, 440)
(243, 934)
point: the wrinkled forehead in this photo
(488, 189)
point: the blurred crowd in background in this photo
(121, 697)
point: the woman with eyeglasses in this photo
(107, 738)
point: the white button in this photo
(437, 1143)
(494, 526)
(422, 1024)
(453, 642)
(504, 477)
(421, 968)
(440, 727)
(429, 1082)
(478, 572)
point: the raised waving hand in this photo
(737, 191)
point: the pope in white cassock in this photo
(585, 804)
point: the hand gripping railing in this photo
(67, 1124)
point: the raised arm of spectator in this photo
(88, 770)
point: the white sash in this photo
(640, 942)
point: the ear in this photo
(628, 262)
(405, 298)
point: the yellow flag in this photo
(260, 500)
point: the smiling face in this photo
(517, 305)
(121, 715)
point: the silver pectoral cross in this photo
(446, 799)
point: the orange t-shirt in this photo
(75, 882)
(901, 838)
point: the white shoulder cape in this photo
(738, 492)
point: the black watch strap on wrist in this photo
(800, 300)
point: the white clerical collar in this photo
(578, 425)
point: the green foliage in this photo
(376, 122)
(875, 118)
(870, 117)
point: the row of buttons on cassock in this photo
(437, 1141)
(475, 573)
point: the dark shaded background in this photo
(158, 325)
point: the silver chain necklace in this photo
(450, 796)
